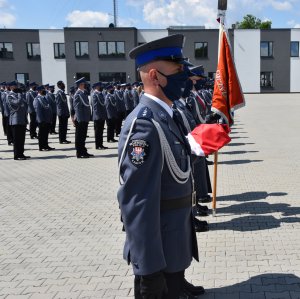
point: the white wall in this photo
(247, 58)
(148, 35)
(295, 63)
(53, 69)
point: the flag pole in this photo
(222, 7)
(214, 199)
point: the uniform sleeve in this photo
(139, 199)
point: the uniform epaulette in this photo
(145, 113)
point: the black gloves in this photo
(212, 118)
(153, 286)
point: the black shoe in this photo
(102, 147)
(90, 155)
(87, 136)
(65, 142)
(20, 158)
(49, 148)
(209, 162)
(10, 143)
(200, 226)
(112, 140)
(27, 157)
(194, 290)
(205, 199)
(85, 156)
(34, 137)
(201, 211)
(53, 133)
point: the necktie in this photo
(182, 129)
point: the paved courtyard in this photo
(60, 230)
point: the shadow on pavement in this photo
(237, 152)
(238, 132)
(239, 143)
(248, 196)
(238, 137)
(50, 157)
(252, 223)
(264, 286)
(233, 162)
(256, 208)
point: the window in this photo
(82, 49)
(266, 49)
(266, 79)
(22, 78)
(294, 49)
(112, 77)
(6, 50)
(85, 75)
(59, 51)
(33, 51)
(111, 49)
(211, 75)
(201, 50)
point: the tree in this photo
(251, 22)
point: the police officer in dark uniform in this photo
(17, 104)
(99, 114)
(128, 99)
(43, 117)
(71, 101)
(6, 114)
(135, 94)
(2, 94)
(30, 96)
(155, 196)
(62, 112)
(119, 97)
(82, 117)
(51, 99)
(112, 113)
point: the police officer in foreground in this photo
(62, 112)
(99, 114)
(155, 196)
(82, 117)
(17, 104)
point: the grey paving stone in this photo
(60, 233)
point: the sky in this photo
(142, 14)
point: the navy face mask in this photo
(199, 84)
(175, 85)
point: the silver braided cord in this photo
(198, 111)
(185, 121)
(83, 102)
(178, 175)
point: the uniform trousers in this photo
(119, 120)
(53, 124)
(33, 124)
(80, 137)
(9, 135)
(4, 124)
(44, 129)
(99, 127)
(111, 123)
(18, 132)
(174, 284)
(62, 128)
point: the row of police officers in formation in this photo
(109, 103)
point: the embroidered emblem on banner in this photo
(138, 152)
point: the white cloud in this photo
(282, 5)
(163, 13)
(127, 22)
(297, 26)
(7, 19)
(88, 18)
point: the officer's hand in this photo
(212, 118)
(153, 286)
